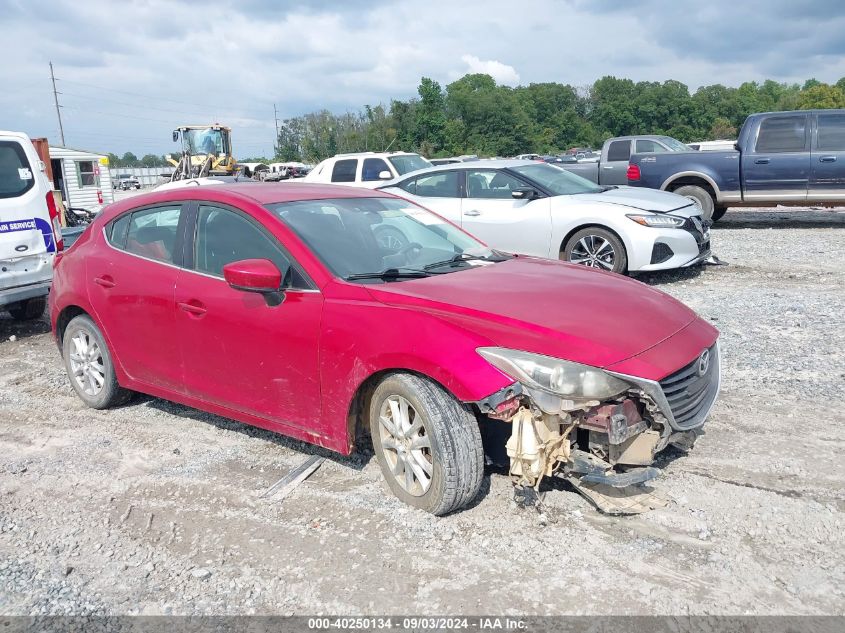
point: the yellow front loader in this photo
(206, 151)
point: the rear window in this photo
(831, 132)
(16, 177)
(782, 134)
(619, 151)
(344, 170)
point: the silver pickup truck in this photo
(612, 168)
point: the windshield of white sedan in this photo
(381, 239)
(557, 180)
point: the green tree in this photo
(129, 160)
(821, 96)
(721, 129)
(114, 160)
(430, 115)
(151, 160)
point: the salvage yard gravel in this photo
(155, 508)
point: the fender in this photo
(693, 174)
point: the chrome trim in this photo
(653, 389)
(697, 174)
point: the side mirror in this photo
(385, 175)
(175, 135)
(736, 147)
(524, 193)
(256, 275)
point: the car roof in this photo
(500, 163)
(257, 192)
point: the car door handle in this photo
(472, 212)
(827, 159)
(192, 308)
(761, 161)
(607, 166)
(105, 281)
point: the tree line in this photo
(130, 160)
(475, 115)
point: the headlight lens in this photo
(659, 221)
(561, 377)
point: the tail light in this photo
(100, 197)
(633, 172)
(55, 221)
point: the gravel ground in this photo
(155, 508)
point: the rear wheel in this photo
(28, 310)
(427, 443)
(701, 196)
(718, 212)
(596, 247)
(89, 365)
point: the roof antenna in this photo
(391, 143)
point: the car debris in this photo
(289, 482)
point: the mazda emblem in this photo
(704, 362)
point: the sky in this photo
(130, 72)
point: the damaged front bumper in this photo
(610, 444)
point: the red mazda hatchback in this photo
(314, 311)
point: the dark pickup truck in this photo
(611, 168)
(787, 158)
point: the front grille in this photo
(690, 393)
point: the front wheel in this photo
(427, 443)
(718, 212)
(595, 247)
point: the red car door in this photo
(131, 283)
(238, 351)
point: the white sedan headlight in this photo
(659, 221)
(560, 377)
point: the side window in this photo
(647, 146)
(490, 184)
(831, 133)
(86, 173)
(344, 170)
(16, 177)
(440, 185)
(409, 185)
(619, 151)
(151, 233)
(372, 168)
(224, 237)
(117, 231)
(782, 134)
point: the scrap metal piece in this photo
(289, 482)
(618, 501)
(622, 480)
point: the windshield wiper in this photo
(465, 257)
(391, 273)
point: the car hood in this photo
(547, 307)
(637, 198)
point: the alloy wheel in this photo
(407, 447)
(86, 363)
(593, 251)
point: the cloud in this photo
(129, 75)
(502, 73)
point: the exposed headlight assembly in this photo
(569, 380)
(658, 221)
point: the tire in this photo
(79, 337)
(589, 247)
(700, 195)
(28, 310)
(448, 438)
(718, 212)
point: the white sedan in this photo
(538, 209)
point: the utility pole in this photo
(276, 120)
(56, 100)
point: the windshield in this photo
(203, 141)
(557, 180)
(674, 144)
(357, 236)
(408, 162)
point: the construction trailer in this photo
(82, 177)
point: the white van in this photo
(30, 232)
